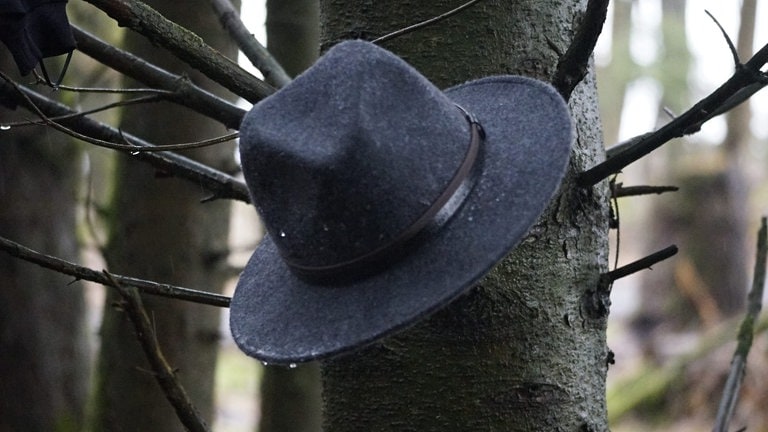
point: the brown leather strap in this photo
(436, 215)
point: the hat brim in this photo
(279, 318)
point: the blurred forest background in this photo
(672, 329)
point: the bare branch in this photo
(164, 374)
(643, 263)
(185, 45)
(273, 72)
(183, 91)
(83, 273)
(746, 78)
(621, 191)
(221, 185)
(572, 66)
(746, 333)
(423, 24)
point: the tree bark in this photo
(520, 352)
(44, 362)
(293, 32)
(161, 231)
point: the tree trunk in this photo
(44, 363)
(520, 352)
(293, 33)
(290, 398)
(161, 231)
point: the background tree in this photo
(159, 230)
(44, 363)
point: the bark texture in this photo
(522, 351)
(44, 363)
(161, 231)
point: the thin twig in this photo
(104, 90)
(183, 91)
(84, 273)
(221, 185)
(121, 103)
(163, 373)
(425, 23)
(273, 72)
(734, 52)
(572, 66)
(746, 334)
(129, 147)
(746, 78)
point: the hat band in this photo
(441, 210)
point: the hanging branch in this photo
(181, 90)
(185, 45)
(573, 65)
(273, 72)
(425, 23)
(163, 373)
(221, 185)
(84, 273)
(746, 334)
(745, 81)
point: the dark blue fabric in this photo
(35, 29)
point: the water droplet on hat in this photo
(264, 363)
(5, 127)
(325, 227)
(292, 365)
(282, 233)
(134, 153)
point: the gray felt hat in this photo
(384, 198)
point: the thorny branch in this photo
(84, 273)
(746, 333)
(274, 74)
(164, 374)
(221, 185)
(186, 46)
(745, 81)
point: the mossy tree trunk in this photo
(519, 352)
(161, 231)
(290, 398)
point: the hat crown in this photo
(347, 156)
